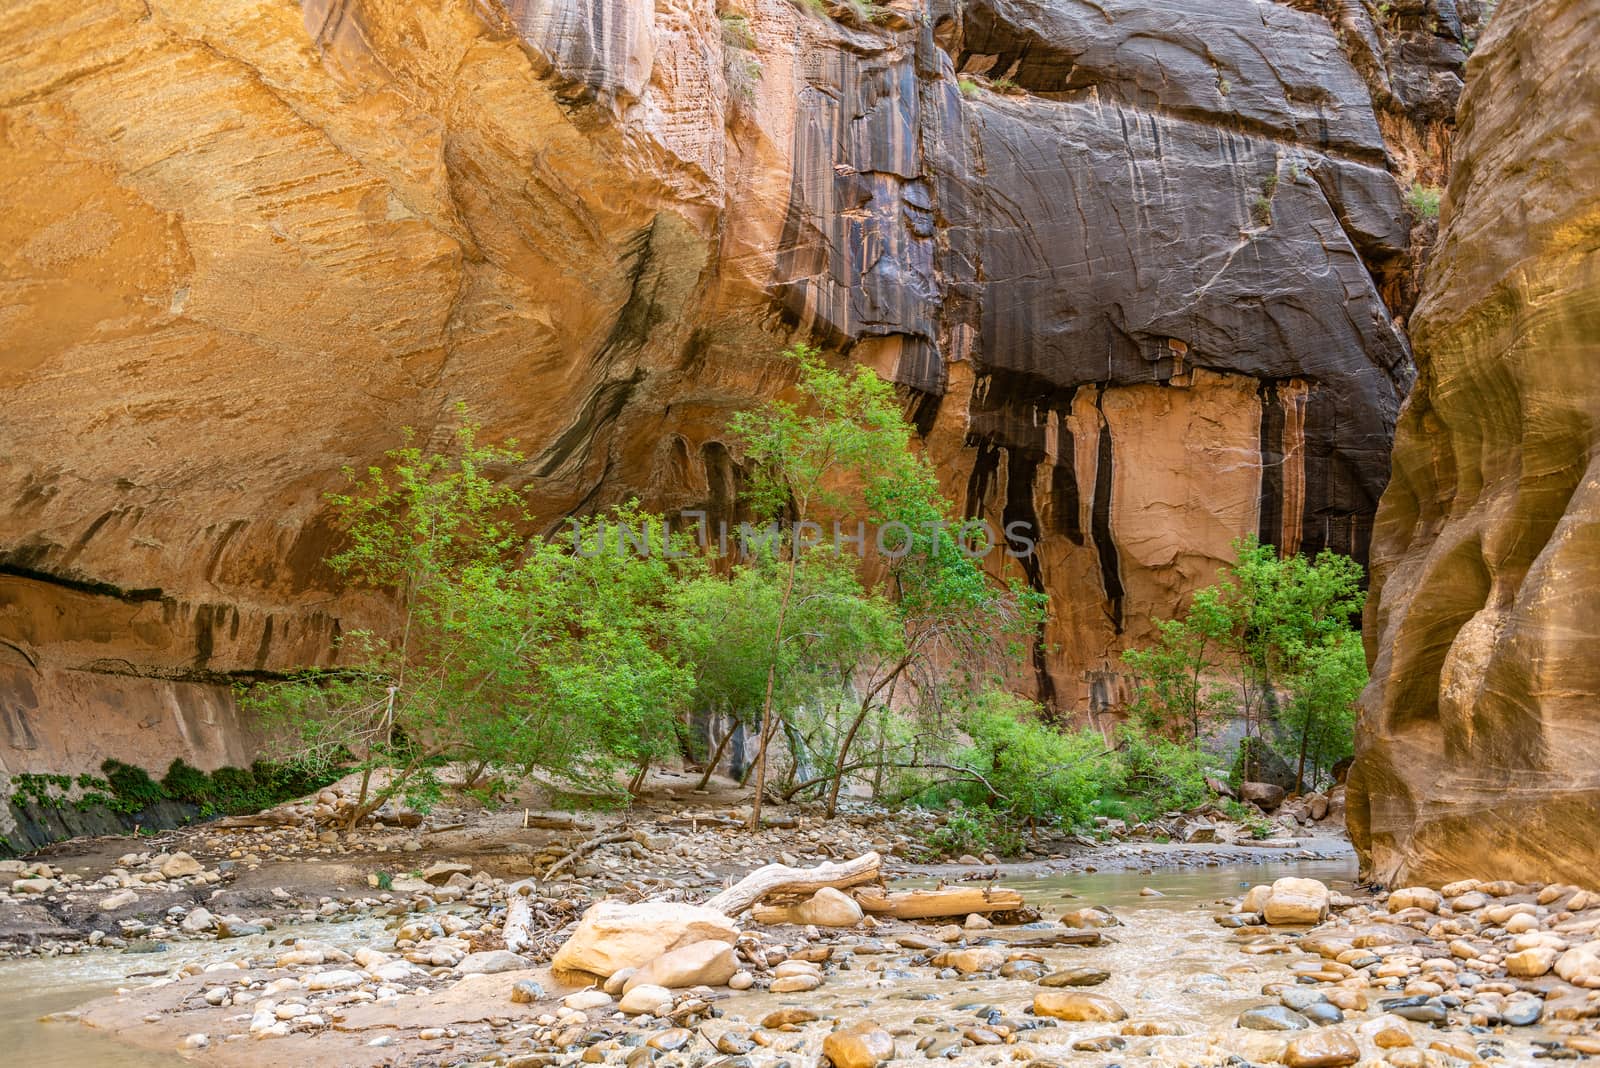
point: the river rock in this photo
(1075, 977)
(827, 907)
(526, 992)
(976, 959)
(198, 920)
(32, 886)
(709, 963)
(1415, 897)
(613, 935)
(1322, 1049)
(334, 980)
(1072, 1005)
(1580, 965)
(1273, 1018)
(490, 962)
(584, 1000)
(180, 865)
(1531, 963)
(643, 999)
(120, 899)
(863, 1045)
(1387, 1032)
(1296, 901)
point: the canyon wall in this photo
(1479, 739)
(1140, 269)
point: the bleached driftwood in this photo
(518, 928)
(782, 879)
(934, 904)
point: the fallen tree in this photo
(937, 904)
(777, 879)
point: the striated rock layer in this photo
(1479, 740)
(1138, 268)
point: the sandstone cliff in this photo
(1137, 265)
(1478, 741)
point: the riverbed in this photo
(1169, 961)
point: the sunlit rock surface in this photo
(1479, 742)
(1139, 268)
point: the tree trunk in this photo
(766, 703)
(782, 879)
(716, 757)
(636, 783)
(1305, 740)
(935, 904)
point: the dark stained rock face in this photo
(1477, 748)
(1138, 265)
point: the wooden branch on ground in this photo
(518, 928)
(782, 879)
(585, 849)
(937, 904)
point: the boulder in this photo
(1415, 897)
(863, 1045)
(180, 866)
(491, 962)
(1580, 965)
(1076, 1006)
(653, 1000)
(1296, 901)
(198, 920)
(1265, 795)
(1327, 1048)
(827, 907)
(709, 963)
(613, 935)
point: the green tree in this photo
(506, 649)
(851, 446)
(1320, 716)
(419, 530)
(1269, 621)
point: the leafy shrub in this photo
(1248, 817)
(1157, 775)
(184, 782)
(132, 787)
(1423, 200)
(975, 829)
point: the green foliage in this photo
(132, 786)
(1424, 200)
(1156, 775)
(1033, 771)
(968, 86)
(1247, 816)
(974, 829)
(736, 30)
(40, 789)
(128, 789)
(1270, 622)
(1002, 85)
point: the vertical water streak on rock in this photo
(1065, 505)
(1270, 529)
(1100, 525)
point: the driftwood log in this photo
(782, 879)
(935, 904)
(518, 928)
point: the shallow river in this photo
(1170, 961)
